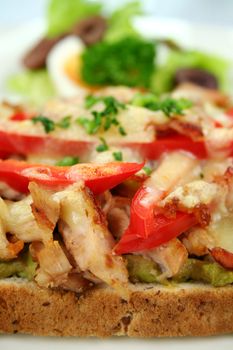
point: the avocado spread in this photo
(142, 269)
(145, 270)
(204, 271)
(23, 267)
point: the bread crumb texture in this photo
(150, 312)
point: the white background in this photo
(13, 12)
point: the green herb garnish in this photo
(68, 161)
(91, 100)
(122, 131)
(118, 156)
(112, 105)
(64, 123)
(172, 107)
(105, 118)
(47, 123)
(109, 121)
(168, 106)
(90, 125)
(103, 146)
(147, 170)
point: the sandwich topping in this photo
(116, 187)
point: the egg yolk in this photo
(72, 69)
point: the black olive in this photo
(91, 30)
(36, 57)
(196, 76)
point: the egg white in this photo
(65, 49)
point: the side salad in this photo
(85, 48)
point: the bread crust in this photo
(152, 311)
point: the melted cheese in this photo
(192, 194)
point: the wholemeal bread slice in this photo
(152, 311)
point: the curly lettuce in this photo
(120, 22)
(63, 14)
(162, 80)
(35, 86)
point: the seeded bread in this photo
(152, 311)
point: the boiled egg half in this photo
(64, 64)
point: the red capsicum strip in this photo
(164, 229)
(16, 143)
(230, 112)
(98, 177)
(148, 227)
(19, 116)
(173, 167)
(153, 150)
(142, 216)
(223, 257)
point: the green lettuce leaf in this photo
(162, 79)
(120, 22)
(63, 14)
(35, 86)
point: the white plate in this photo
(21, 342)
(210, 39)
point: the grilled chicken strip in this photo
(22, 222)
(198, 241)
(169, 256)
(87, 238)
(45, 209)
(55, 269)
(8, 250)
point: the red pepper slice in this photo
(153, 150)
(4, 154)
(98, 177)
(19, 116)
(173, 167)
(223, 257)
(148, 227)
(16, 143)
(230, 112)
(164, 229)
(142, 216)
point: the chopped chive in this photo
(90, 125)
(118, 156)
(64, 123)
(103, 146)
(105, 118)
(147, 170)
(68, 161)
(109, 121)
(91, 100)
(47, 123)
(122, 131)
(169, 106)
